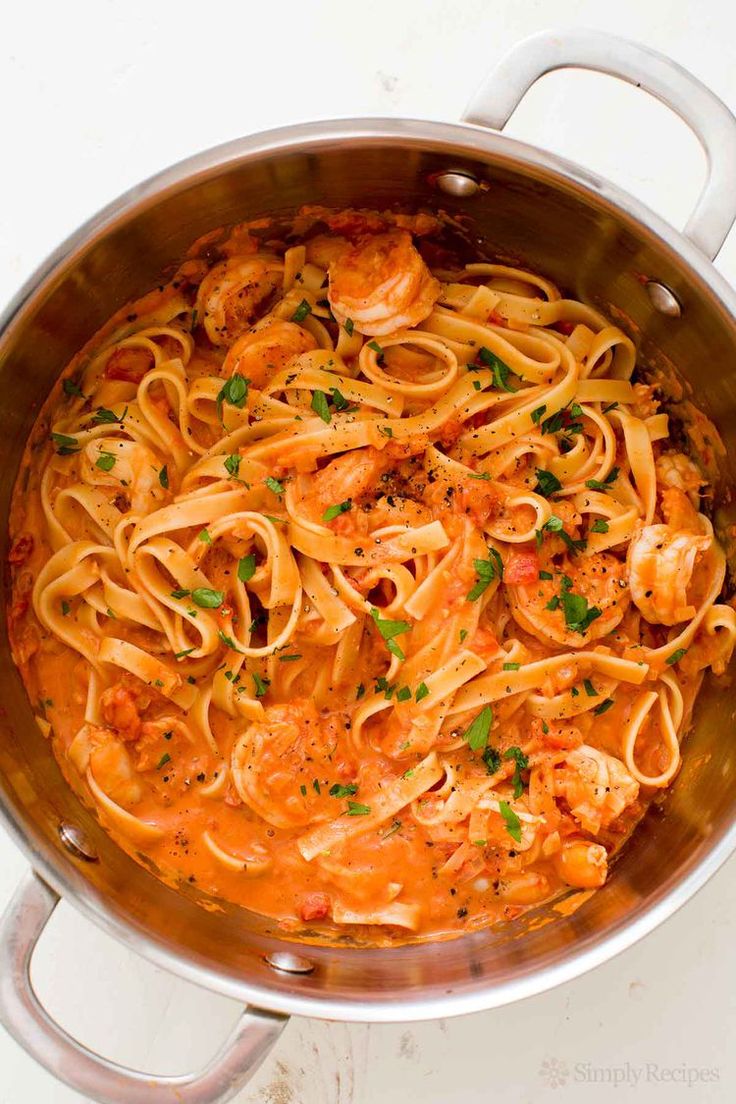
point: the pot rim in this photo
(469, 142)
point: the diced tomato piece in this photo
(564, 327)
(120, 711)
(314, 906)
(21, 550)
(484, 643)
(128, 365)
(521, 569)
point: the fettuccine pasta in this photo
(361, 586)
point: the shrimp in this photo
(234, 292)
(120, 709)
(282, 766)
(661, 562)
(596, 786)
(348, 476)
(266, 349)
(99, 749)
(582, 864)
(583, 602)
(674, 469)
(382, 284)
(324, 249)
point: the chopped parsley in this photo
(320, 406)
(349, 327)
(356, 809)
(65, 445)
(590, 689)
(233, 391)
(65, 608)
(604, 706)
(492, 759)
(274, 485)
(513, 824)
(376, 348)
(261, 684)
(289, 658)
(336, 509)
(301, 311)
(180, 593)
(501, 370)
(105, 461)
(180, 655)
(487, 571)
(343, 791)
(547, 483)
(206, 598)
(165, 758)
(386, 431)
(511, 666)
(546, 575)
(232, 464)
(579, 616)
(384, 686)
(204, 537)
(163, 477)
(422, 691)
(555, 524)
(476, 735)
(103, 416)
(360, 691)
(246, 568)
(538, 414)
(72, 388)
(338, 399)
(404, 694)
(603, 484)
(521, 763)
(389, 630)
(599, 526)
(675, 657)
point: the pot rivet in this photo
(289, 962)
(457, 182)
(664, 300)
(76, 842)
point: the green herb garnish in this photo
(320, 406)
(476, 735)
(301, 311)
(336, 509)
(206, 598)
(390, 629)
(246, 568)
(105, 461)
(513, 824)
(343, 791)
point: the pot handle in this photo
(88, 1073)
(707, 116)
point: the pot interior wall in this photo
(559, 229)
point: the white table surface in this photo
(97, 96)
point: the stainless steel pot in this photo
(560, 220)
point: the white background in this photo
(96, 96)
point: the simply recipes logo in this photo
(556, 1073)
